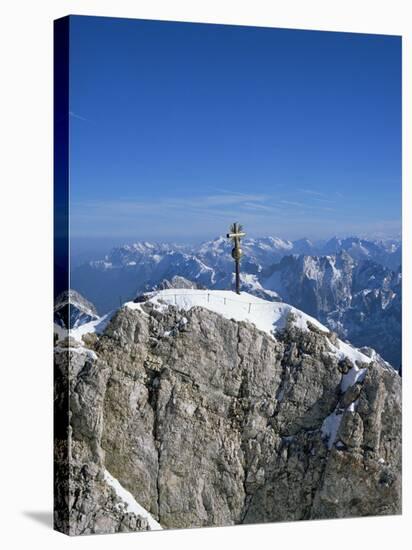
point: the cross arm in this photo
(234, 235)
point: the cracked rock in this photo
(220, 424)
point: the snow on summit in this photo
(266, 316)
(269, 317)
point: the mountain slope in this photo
(207, 419)
(361, 301)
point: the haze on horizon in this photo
(179, 129)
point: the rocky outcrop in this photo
(175, 282)
(208, 421)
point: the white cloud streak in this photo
(79, 117)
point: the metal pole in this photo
(236, 233)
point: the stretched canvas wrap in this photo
(227, 318)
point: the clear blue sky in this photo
(179, 129)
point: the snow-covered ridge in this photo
(270, 317)
(266, 316)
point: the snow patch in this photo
(89, 352)
(346, 350)
(96, 326)
(353, 376)
(131, 504)
(352, 406)
(330, 426)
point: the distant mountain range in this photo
(352, 285)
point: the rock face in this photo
(208, 421)
(175, 282)
(84, 502)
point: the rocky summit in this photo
(190, 410)
(353, 286)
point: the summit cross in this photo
(236, 233)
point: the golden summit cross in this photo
(236, 233)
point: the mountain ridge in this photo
(206, 419)
(333, 287)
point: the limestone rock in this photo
(208, 421)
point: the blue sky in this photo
(179, 129)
